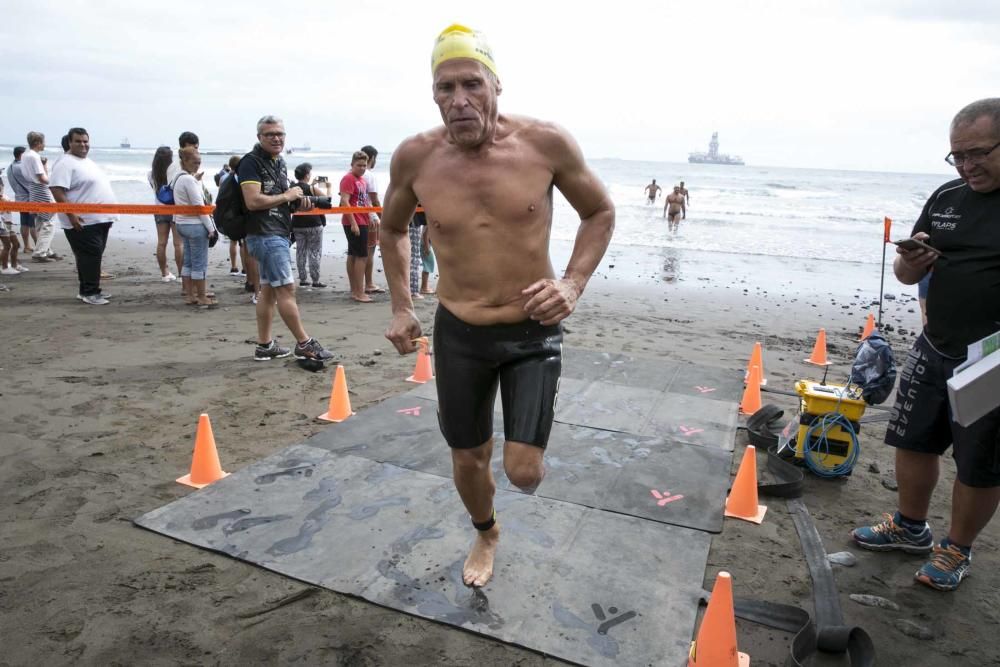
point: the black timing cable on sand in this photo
(827, 632)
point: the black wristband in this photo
(486, 525)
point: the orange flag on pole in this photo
(888, 227)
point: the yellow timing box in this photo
(819, 399)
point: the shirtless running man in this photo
(652, 192)
(674, 208)
(485, 182)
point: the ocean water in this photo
(776, 212)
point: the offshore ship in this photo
(125, 143)
(713, 156)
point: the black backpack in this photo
(230, 208)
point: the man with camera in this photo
(958, 236)
(269, 202)
(309, 228)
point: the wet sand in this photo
(99, 406)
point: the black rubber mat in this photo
(585, 585)
(609, 470)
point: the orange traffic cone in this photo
(715, 645)
(818, 356)
(340, 401)
(751, 395)
(742, 500)
(869, 327)
(205, 466)
(424, 371)
(756, 359)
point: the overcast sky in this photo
(850, 84)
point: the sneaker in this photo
(9, 271)
(311, 349)
(304, 284)
(255, 298)
(55, 257)
(234, 272)
(40, 259)
(270, 351)
(94, 300)
(890, 536)
(21, 268)
(946, 568)
(169, 278)
(102, 294)
(319, 285)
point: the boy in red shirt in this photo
(354, 192)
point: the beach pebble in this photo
(873, 467)
(875, 601)
(377, 353)
(889, 482)
(890, 297)
(845, 558)
(911, 629)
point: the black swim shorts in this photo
(921, 419)
(357, 246)
(525, 359)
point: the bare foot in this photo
(363, 299)
(479, 565)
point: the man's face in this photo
(358, 167)
(272, 138)
(981, 174)
(467, 99)
(192, 163)
(79, 145)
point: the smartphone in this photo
(913, 244)
(322, 179)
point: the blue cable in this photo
(813, 448)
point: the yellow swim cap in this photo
(458, 41)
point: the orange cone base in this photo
(326, 417)
(757, 518)
(743, 658)
(413, 378)
(186, 480)
(810, 361)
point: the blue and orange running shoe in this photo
(946, 568)
(889, 535)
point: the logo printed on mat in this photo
(665, 497)
(606, 623)
(687, 430)
(704, 390)
(413, 412)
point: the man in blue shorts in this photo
(16, 179)
(485, 181)
(961, 221)
(269, 200)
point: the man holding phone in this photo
(958, 235)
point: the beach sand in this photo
(99, 406)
